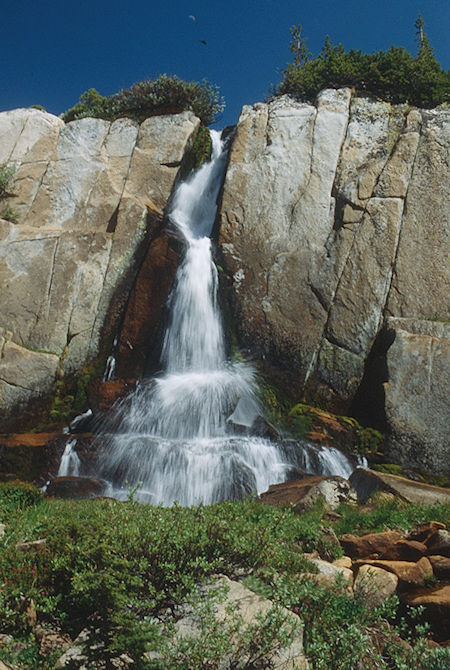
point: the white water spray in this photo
(178, 432)
(70, 462)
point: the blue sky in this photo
(53, 51)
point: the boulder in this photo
(424, 531)
(304, 492)
(439, 543)
(249, 607)
(366, 482)
(51, 641)
(370, 544)
(332, 570)
(410, 575)
(441, 567)
(375, 584)
(89, 195)
(436, 602)
(76, 487)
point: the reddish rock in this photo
(76, 487)
(103, 395)
(410, 575)
(28, 439)
(146, 303)
(30, 456)
(423, 531)
(437, 608)
(441, 566)
(369, 545)
(405, 550)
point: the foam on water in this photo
(180, 434)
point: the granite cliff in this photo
(332, 233)
(88, 196)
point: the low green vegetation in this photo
(165, 95)
(305, 422)
(120, 569)
(393, 75)
(7, 173)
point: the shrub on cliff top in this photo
(393, 75)
(165, 95)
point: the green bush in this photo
(118, 567)
(9, 214)
(165, 95)
(6, 176)
(393, 75)
(17, 495)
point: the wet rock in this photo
(304, 492)
(366, 482)
(103, 394)
(76, 487)
(375, 584)
(30, 456)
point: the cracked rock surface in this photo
(335, 217)
(86, 195)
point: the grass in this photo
(117, 567)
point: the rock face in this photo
(417, 393)
(334, 218)
(88, 195)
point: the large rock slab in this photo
(250, 608)
(303, 493)
(417, 408)
(334, 216)
(88, 195)
(366, 482)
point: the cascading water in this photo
(178, 434)
(70, 462)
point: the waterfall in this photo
(70, 462)
(184, 435)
